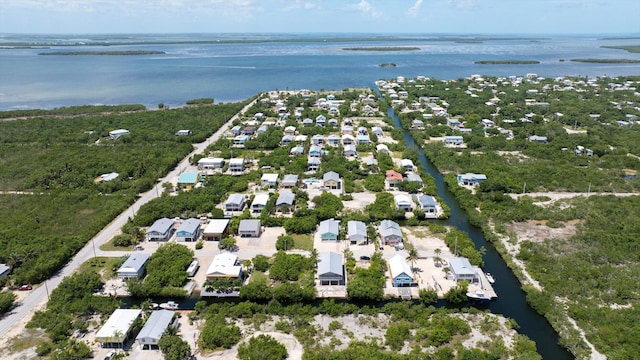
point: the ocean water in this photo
(232, 67)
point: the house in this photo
(258, 116)
(362, 131)
(382, 148)
(315, 151)
(371, 164)
(248, 131)
(356, 232)
(471, 179)
(249, 228)
(461, 269)
(393, 177)
(161, 230)
(307, 122)
(321, 120)
(133, 267)
(269, 180)
(346, 130)
(348, 139)
(210, 163)
(259, 203)
(453, 140)
(317, 139)
(189, 230)
(296, 150)
(106, 177)
(240, 140)
(377, 131)
(290, 130)
(116, 134)
(453, 123)
(235, 202)
(215, 230)
(286, 139)
(390, 232)
(262, 129)
(363, 140)
(289, 181)
(236, 165)
(301, 138)
(285, 201)
(428, 204)
(154, 328)
(540, 139)
(313, 163)
(333, 122)
(413, 177)
(407, 164)
(225, 266)
(331, 180)
(329, 230)
(417, 124)
(236, 130)
(400, 271)
(403, 202)
(116, 332)
(330, 268)
(350, 151)
(333, 140)
(188, 180)
(4, 270)
(183, 132)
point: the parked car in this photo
(365, 257)
(138, 247)
(25, 288)
(110, 355)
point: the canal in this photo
(511, 300)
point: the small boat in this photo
(478, 295)
(169, 305)
(490, 278)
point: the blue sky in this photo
(304, 16)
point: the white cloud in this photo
(300, 4)
(415, 8)
(366, 8)
(462, 4)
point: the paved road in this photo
(40, 293)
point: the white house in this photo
(390, 232)
(259, 203)
(134, 266)
(403, 202)
(235, 202)
(249, 228)
(407, 164)
(116, 332)
(356, 232)
(330, 268)
(224, 265)
(115, 134)
(154, 328)
(289, 181)
(210, 163)
(215, 230)
(236, 165)
(461, 269)
(269, 180)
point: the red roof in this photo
(393, 175)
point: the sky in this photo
(321, 16)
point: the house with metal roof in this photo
(116, 332)
(296, 150)
(134, 266)
(461, 269)
(285, 201)
(189, 230)
(471, 179)
(333, 140)
(390, 232)
(161, 230)
(4, 270)
(453, 140)
(259, 203)
(407, 164)
(356, 232)
(115, 134)
(413, 177)
(224, 265)
(154, 328)
(289, 181)
(331, 180)
(313, 163)
(382, 148)
(330, 268)
(236, 165)
(350, 151)
(428, 204)
(315, 151)
(329, 230)
(269, 180)
(188, 180)
(210, 163)
(400, 271)
(317, 139)
(216, 229)
(249, 228)
(235, 202)
(403, 202)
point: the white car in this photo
(110, 355)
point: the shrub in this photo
(123, 240)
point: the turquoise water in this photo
(235, 67)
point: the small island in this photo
(507, 62)
(608, 61)
(101, 53)
(629, 48)
(383, 48)
(388, 65)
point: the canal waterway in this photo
(511, 301)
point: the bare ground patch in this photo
(537, 230)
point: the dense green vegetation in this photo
(70, 111)
(507, 62)
(52, 158)
(263, 347)
(166, 273)
(99, 53)
(629, 48)
(590, 275)
(608, 61)
(6, 301)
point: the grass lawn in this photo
(302, 241)
(108, 246)
(105, 266)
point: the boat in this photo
(169, 305)
(478, 295)
(490, 278)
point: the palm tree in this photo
(412, 255)
(437, 259)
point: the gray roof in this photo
(330, 263)
(290, 179)
(356, 228)
(235, 199)
(331, 175)
(472, 176)
(156, 324)
(4, 268)
(461, 266)
(389, 228)
(285, 198)
(329, 226)
(190, 226)
(136, 261)
(161, 226)
(427, 200)
(249, 225)
(414, 177)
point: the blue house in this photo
(189, 230)
(401, 273)
(329, 230)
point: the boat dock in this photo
(483, 284)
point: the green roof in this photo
(188, 178)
